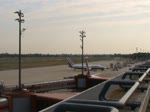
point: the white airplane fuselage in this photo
(79, 66)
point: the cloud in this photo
(86, 10)
(56, 10)
(43, 16)
(76, 12)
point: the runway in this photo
(30, 75)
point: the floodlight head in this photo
(82, 36)
(22, 15)
(17, 19)
(82, 32)
(23, 29)
(17, 12)
(22, 20)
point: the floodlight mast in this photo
(20, 20)
(82, 35)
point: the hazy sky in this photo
(112, 26)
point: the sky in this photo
(52, 26)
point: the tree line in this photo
(132, 56)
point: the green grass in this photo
(12, 63)
(31, 62)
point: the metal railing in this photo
(127, 81)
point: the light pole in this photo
(20, 20)
(82, 35)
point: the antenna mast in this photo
(82, 35)
(20, 20)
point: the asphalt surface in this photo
(10, 77)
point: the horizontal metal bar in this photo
(139, 69)
(76, 107)
(130, 74)
(144, 66)
(95, 102)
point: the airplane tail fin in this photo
(87, 68)
(70, 62)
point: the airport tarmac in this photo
(10, 77)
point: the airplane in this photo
(88, 73)
(79, 66)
